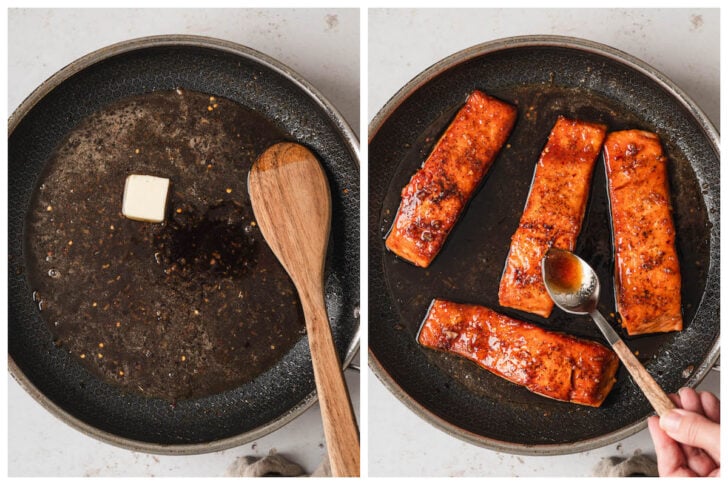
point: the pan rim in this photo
(624, 59)
(140, 43)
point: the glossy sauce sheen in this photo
(438, 192)
(553, 214)
(552, 364)
(646, 266)
(187, 308)
(470, 266)
(565, 272)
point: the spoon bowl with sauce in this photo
(574, 287)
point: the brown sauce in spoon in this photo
(565, 272)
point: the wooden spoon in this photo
(292, 205)
(574, 287)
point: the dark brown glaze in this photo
(552, 364)
(646, 266)
(437, 193)
(553, 214)
(470, 265)
(186, 308)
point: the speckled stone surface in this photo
(310, 125)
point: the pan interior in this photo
(186, 308)
(468, 269)
(293, 112)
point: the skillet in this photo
(256, 82)
(544, 76)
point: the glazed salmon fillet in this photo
(438, 192)
(553, 214)
(646, 267)
(552, 364)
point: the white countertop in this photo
(683, 44)
(322, 45)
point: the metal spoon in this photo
(574, 287)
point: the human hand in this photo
(687, 440)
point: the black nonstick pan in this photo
(544, 77)
(227, 73)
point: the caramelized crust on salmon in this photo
(553, 213)
(552, 364)
(438, 192)
(646, 267)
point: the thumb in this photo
(694, 430)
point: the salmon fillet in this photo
(646, 267)
(437, 193)
(553, 213)
(552, 364)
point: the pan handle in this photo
(354, 364)
(355, 349)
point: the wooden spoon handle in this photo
(644, 380)
(340, 428)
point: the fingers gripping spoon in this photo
(292, 206)
(574, 287)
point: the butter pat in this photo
(145, 198)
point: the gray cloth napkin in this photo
(273, 465)
(638, 465)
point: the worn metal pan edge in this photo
(196, 41)
(711, 198)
